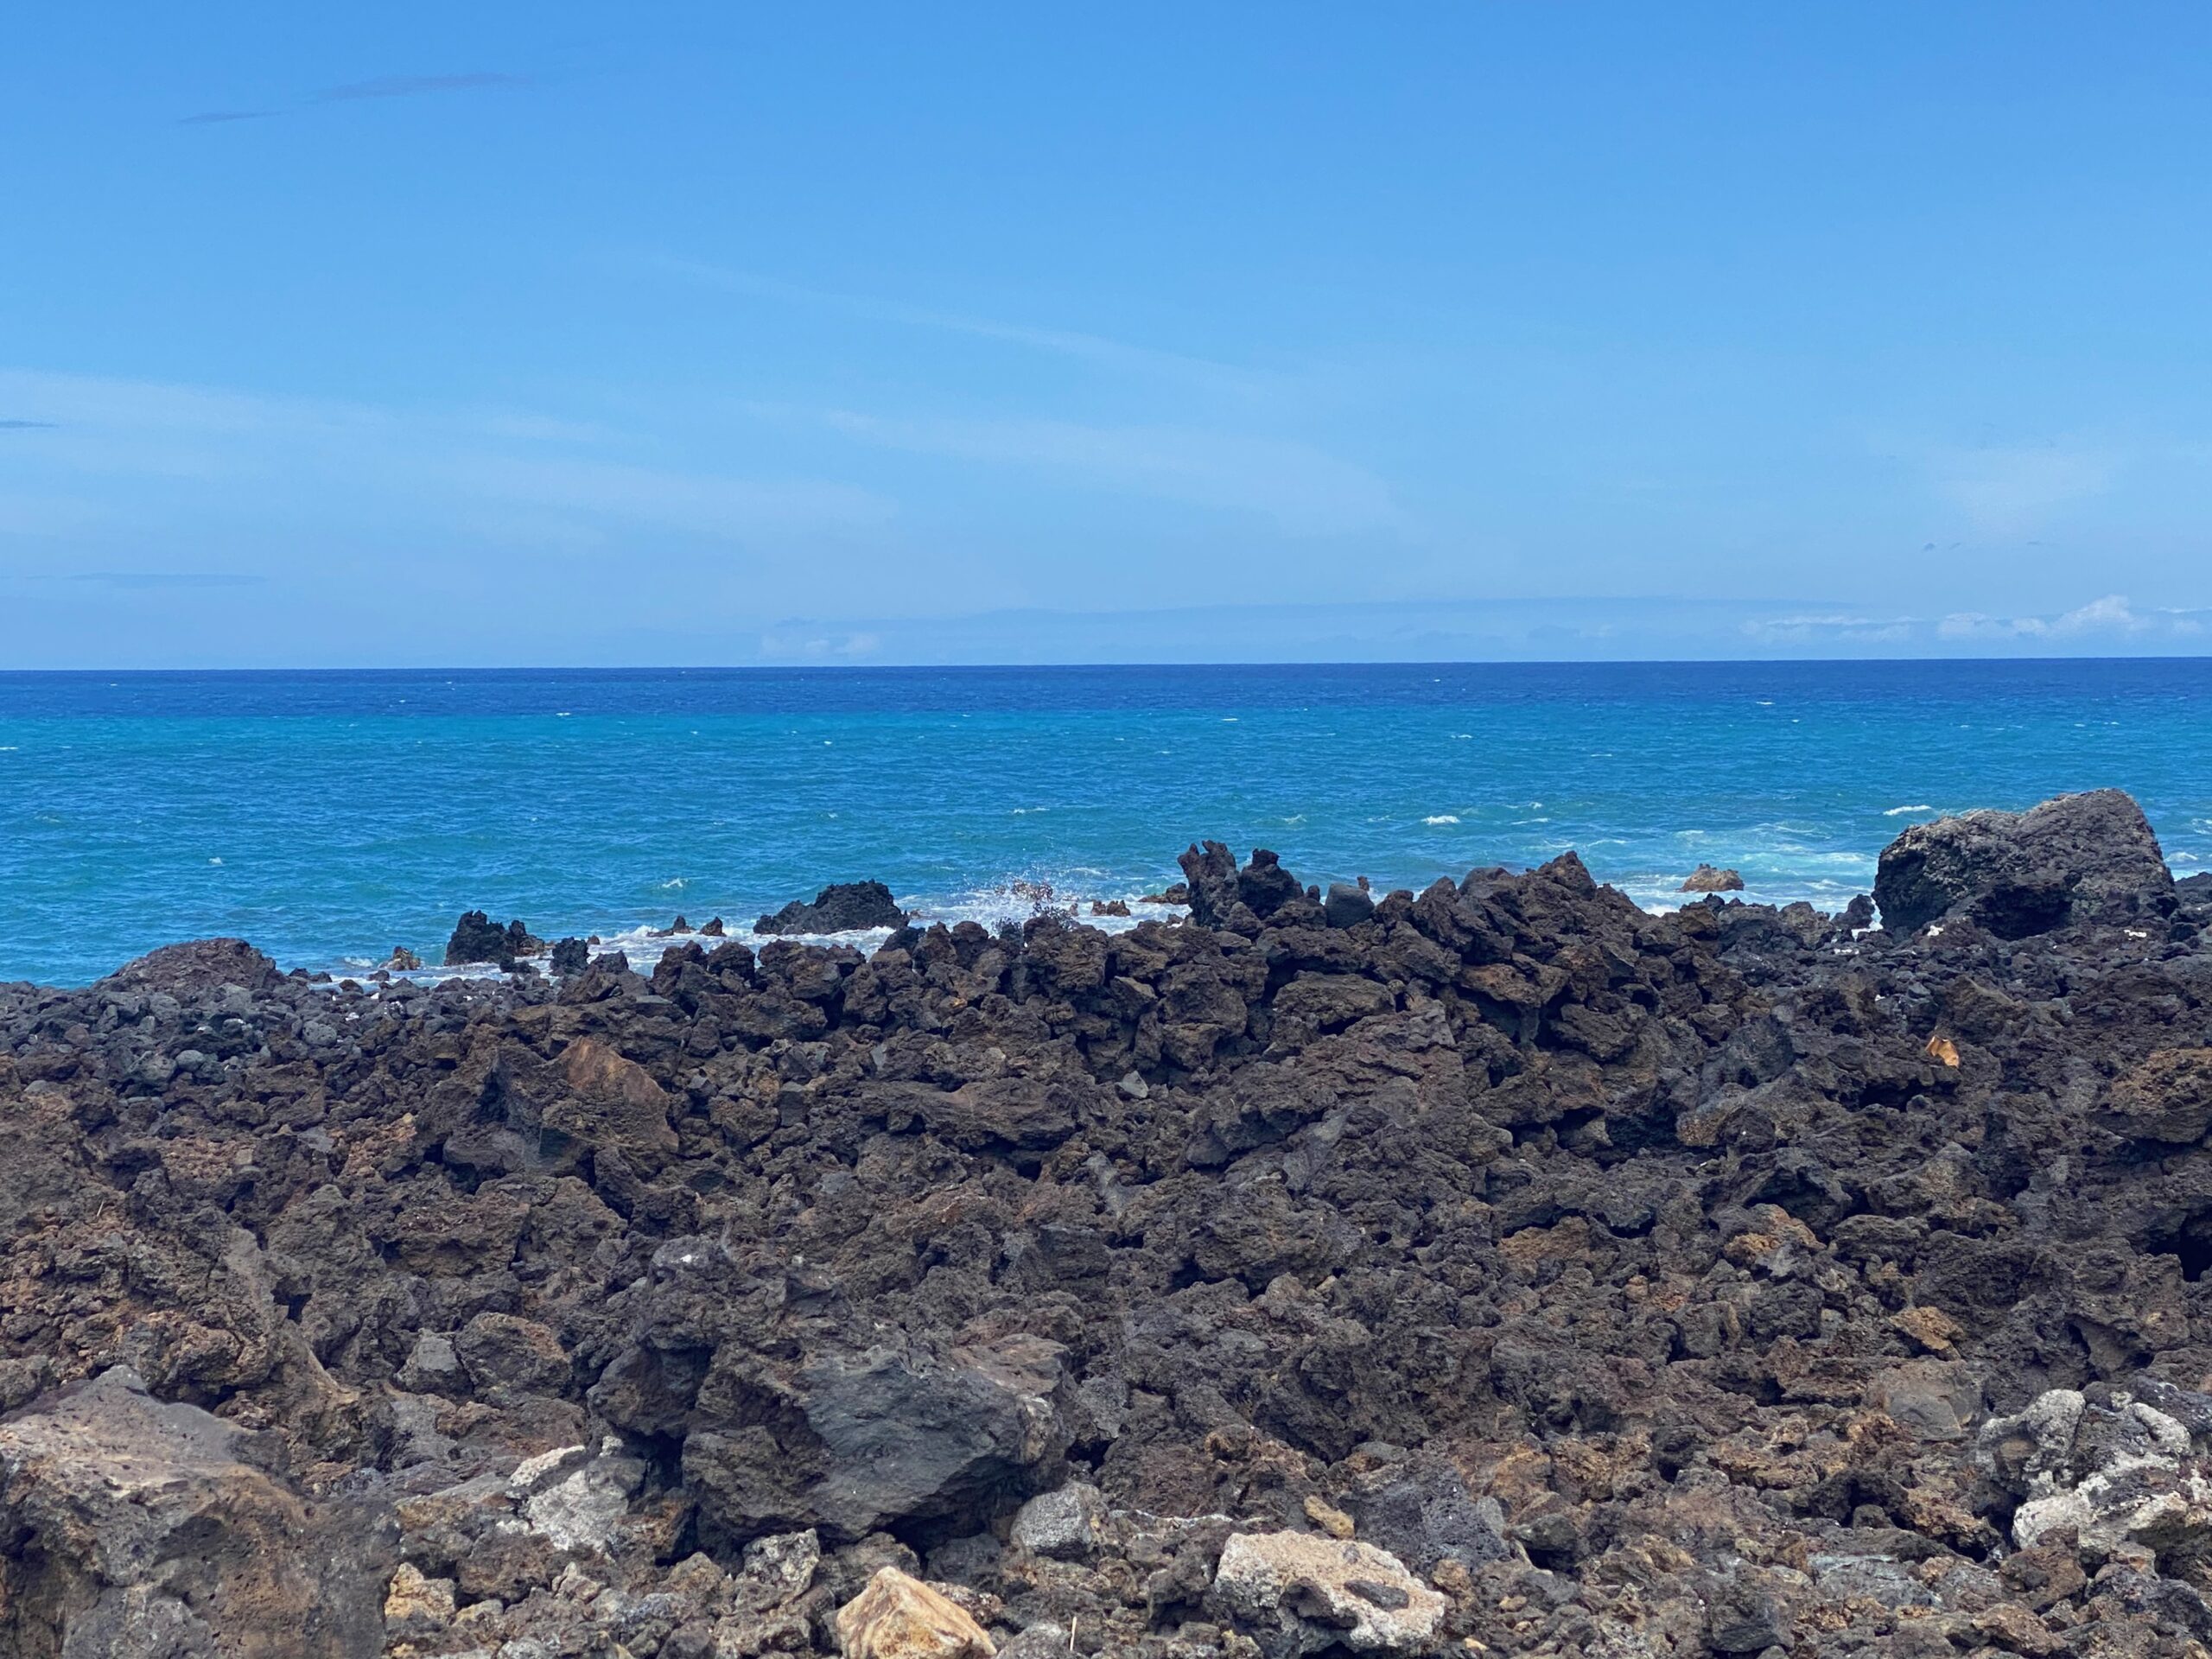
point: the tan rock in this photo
(414, 1605)
(1706, 879)
(897, 1617)
(1331, 1520)
(1932, 1328)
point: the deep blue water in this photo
(328, 816)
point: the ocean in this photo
(329, 816)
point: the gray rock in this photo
(1347, 905)
(2075, 859)
(1063, 1524)
(891, 1434)
(1422, 1512)
(432, 1366)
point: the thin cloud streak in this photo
(379, 87)
(454, 463)
(1062, 343)
(414, 85)
(1306, 491)
(29, 426)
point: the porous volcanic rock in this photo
(2079, 858)
(1732, 1281)
(140, 1530)
(478, 939)
(840, 907)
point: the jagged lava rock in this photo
(2078, 858)
(840, 907)
(1641, 1284)
(477, 938)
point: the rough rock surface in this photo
(1735, 1282)
(898, 1616)
(2079, 857)
(1707, 879)
(140, 1530)
(1304, 1593)
(478, 939)
(840, 907)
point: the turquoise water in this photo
(329, 816)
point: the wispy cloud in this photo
(220, 117)
(1062, 343)
(1303, 489)
(550, 481)
(2111, 619)
(2007, 490)
(29, 426)
(702, 505)
(415, 86)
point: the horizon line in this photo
(1983, 660)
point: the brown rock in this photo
(138, 1528)
(900, 1617)
(1706, 879)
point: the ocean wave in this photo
(1899, 811)
(1441, 818)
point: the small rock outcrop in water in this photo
(2079, 857)
(840, 907)
(477, 938)
(1498, 1268)
(1706, 879)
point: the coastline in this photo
(330, 818)
(1522, 1243)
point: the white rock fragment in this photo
(1318, 1593)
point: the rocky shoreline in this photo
(1497, 1270)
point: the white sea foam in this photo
(1899, 811)
(1441, 818)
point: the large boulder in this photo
(2079, 858)
(852, 1444)
(139, 1530)
(840, 907)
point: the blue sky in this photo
(496, 333)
